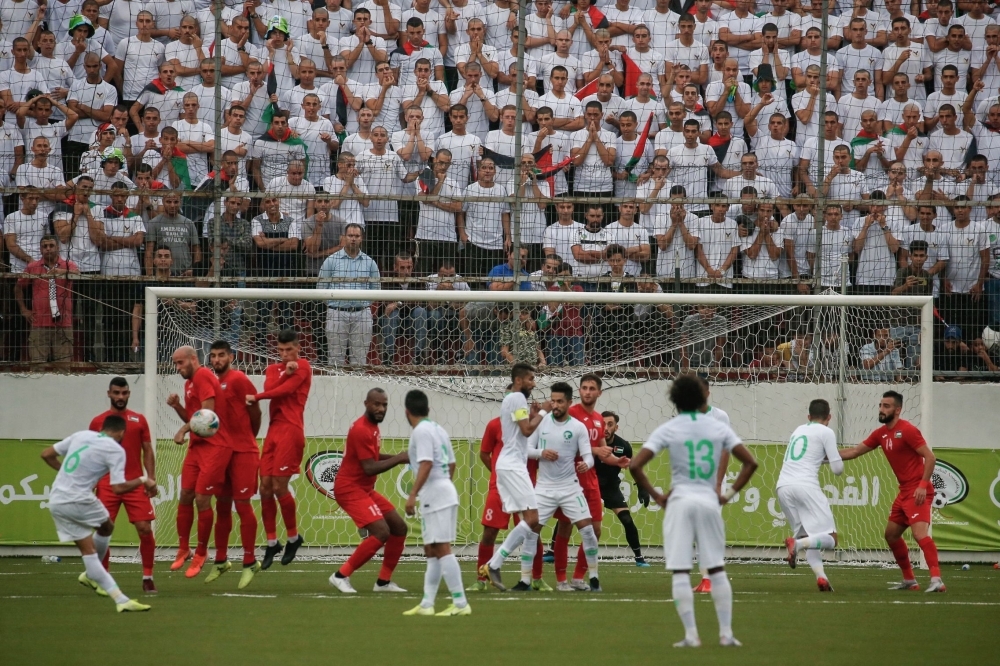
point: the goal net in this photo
(765, 356)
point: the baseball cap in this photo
(952, 332)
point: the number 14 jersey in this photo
(695, 444)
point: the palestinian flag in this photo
(408, 48)
(640, 150)
(632, 72)
(720, 145)
(272, 88)
(508, 162)
(426, 181)
(545, 169)
(156, 86)
(862, 139)
(597, 18)
(289, 139)
(180, 163)
(209, 181)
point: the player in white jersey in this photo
(86, 457)
(694, 514)
(517, 422)
(805, 505)
(432, 461)
(720, 415)
(556, 443)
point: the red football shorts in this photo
(212, 475)
(594, 503)
(493, 513)
(905, 511)
(191, 469)
(364, 508)
(137, 504)
(283, 450)
(241, 475)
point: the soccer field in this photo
(291, 615)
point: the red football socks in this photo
(902, 553)
(536, 564)
(205, 519)
(931, 555)
(147, 552)
(561, 552)
(248, 531)
(223, 528)
(580, 572)
(287, 502)
(269, 516)
(185, 519)
(390, 556)
(485, 555)
(365, 551)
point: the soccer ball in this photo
(991, 339)
(939, 501)
(204, 423)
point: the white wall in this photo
(965, 415)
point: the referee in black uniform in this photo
(610, 484)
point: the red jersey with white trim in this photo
(364, 442)
(492, 443)
(900, 444)
(204, 385)
(288, 393)
(594, 423)
(136, 434)
(231, 407)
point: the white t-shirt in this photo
(87, 456)
(479, 123)
(125, 260)
(954, 148)
(27, 231)
(763, 267)
(717, 240)
(141, 60)
(317, 150)
(810, 445)
(834, 246)
(292, 206)
(464, 151)
(514, 454)
(561, 238)
(569, 439)
(633, 235)
(197, 132)
(483, 218)
(876, 264)
(434, 224)
(96, 96)
(852, 59)
(383, 175)
(363, 69)
(350, 210)
(695, 444)
(430, 443)
(593, 175)
(186, 56)
(964, 247)
(690, 168)
(676, 254)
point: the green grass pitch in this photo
(291, 615)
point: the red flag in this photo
(597, 18)
(587, 90)
(632, 72)
(546, 169)
(640, 148)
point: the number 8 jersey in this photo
(695, 443)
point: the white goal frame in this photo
(154, 294)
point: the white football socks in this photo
(815, 560)
(101, 543)
(704, 572)
(96, 572)
(684, 603)
(432, 580)
(453, 579)
(589, 537)
(528, 551)
(821, 541)
(722, 597)
(510, 544)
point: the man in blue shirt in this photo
(349, 323)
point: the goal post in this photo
(765, 402)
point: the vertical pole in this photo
(821, 152)
(149, 363)
(523, 7)
(217, 161)
(842, 372)
(926, 369)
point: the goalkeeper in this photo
(610, 485)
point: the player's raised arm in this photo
(833, 457)
(741, 453)
(855, 451)
(290, 383)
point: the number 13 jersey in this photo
(695, 443)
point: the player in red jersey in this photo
(242, 462)
(286, 385)
(138, 446)
(586, 412)
(912, 462)
(494, 518)
(354, 489)
(201, 388)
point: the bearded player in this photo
(912, 462)
(201, 390)
(138, 446)
(586, 412)
(354, 490)
(241, 423)
(494, 517)
(286, 385)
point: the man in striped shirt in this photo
(349, 323)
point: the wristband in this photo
(542, 412)
(927, 485)
(728, 495)
(369, 43)
(326, 47)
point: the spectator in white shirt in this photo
(718, 248)
(631, 236)
(478, 101)
(843, 182)
(559, 238)
(195, 138)
(350, 189)
(137, 57)
(436, 235)
(484, 226)
(876, 244)
(953, 143)
(294, 192)
(593, 155)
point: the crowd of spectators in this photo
(373, 143)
